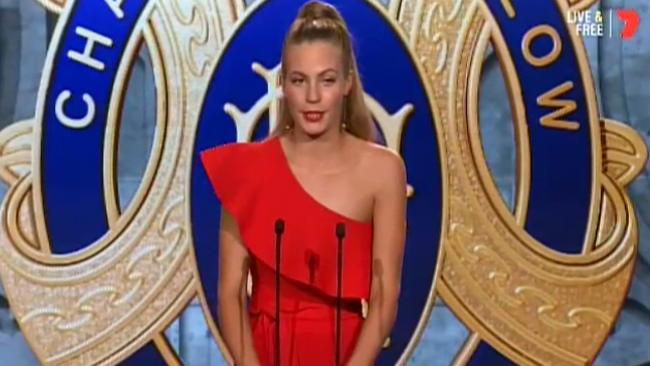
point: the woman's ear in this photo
(279, 89)
(348, 83)
(280, 78)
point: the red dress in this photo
(255, 184)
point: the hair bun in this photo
(318, 10)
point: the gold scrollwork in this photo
(199, 38)
(435, 19)
(83, 310)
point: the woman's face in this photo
(315, 86)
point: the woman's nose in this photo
(313, 93)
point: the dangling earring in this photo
(344, 117)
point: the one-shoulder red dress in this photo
(255, 184)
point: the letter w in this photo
(549, 100)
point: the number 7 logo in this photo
(630, 18)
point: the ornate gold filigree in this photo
(15, 151)
(530, 303)
(123, 290)
(624, 152)
(198, 38)
(581, 4)
(54, 6)
(15, 161)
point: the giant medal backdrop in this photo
(541, 282)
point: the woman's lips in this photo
(313, 116)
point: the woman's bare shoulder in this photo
(379, 157)
(381, 164)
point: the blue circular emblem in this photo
(389, 75)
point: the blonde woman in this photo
(326, 197)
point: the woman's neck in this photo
(325, 152)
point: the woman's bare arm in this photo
(389, 217)
(233, 274)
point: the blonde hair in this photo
(318, 21)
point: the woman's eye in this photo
(330, 81)
(296, 81)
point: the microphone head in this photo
(279, 226)
(340, 230)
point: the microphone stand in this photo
(340, 234)
(279, 230)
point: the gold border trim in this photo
(466, 352)
(108, 179)
(522, 139)
(166, 351)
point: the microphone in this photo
(313, 260)
(340, 235)
(279, 230)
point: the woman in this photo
(319, 169)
